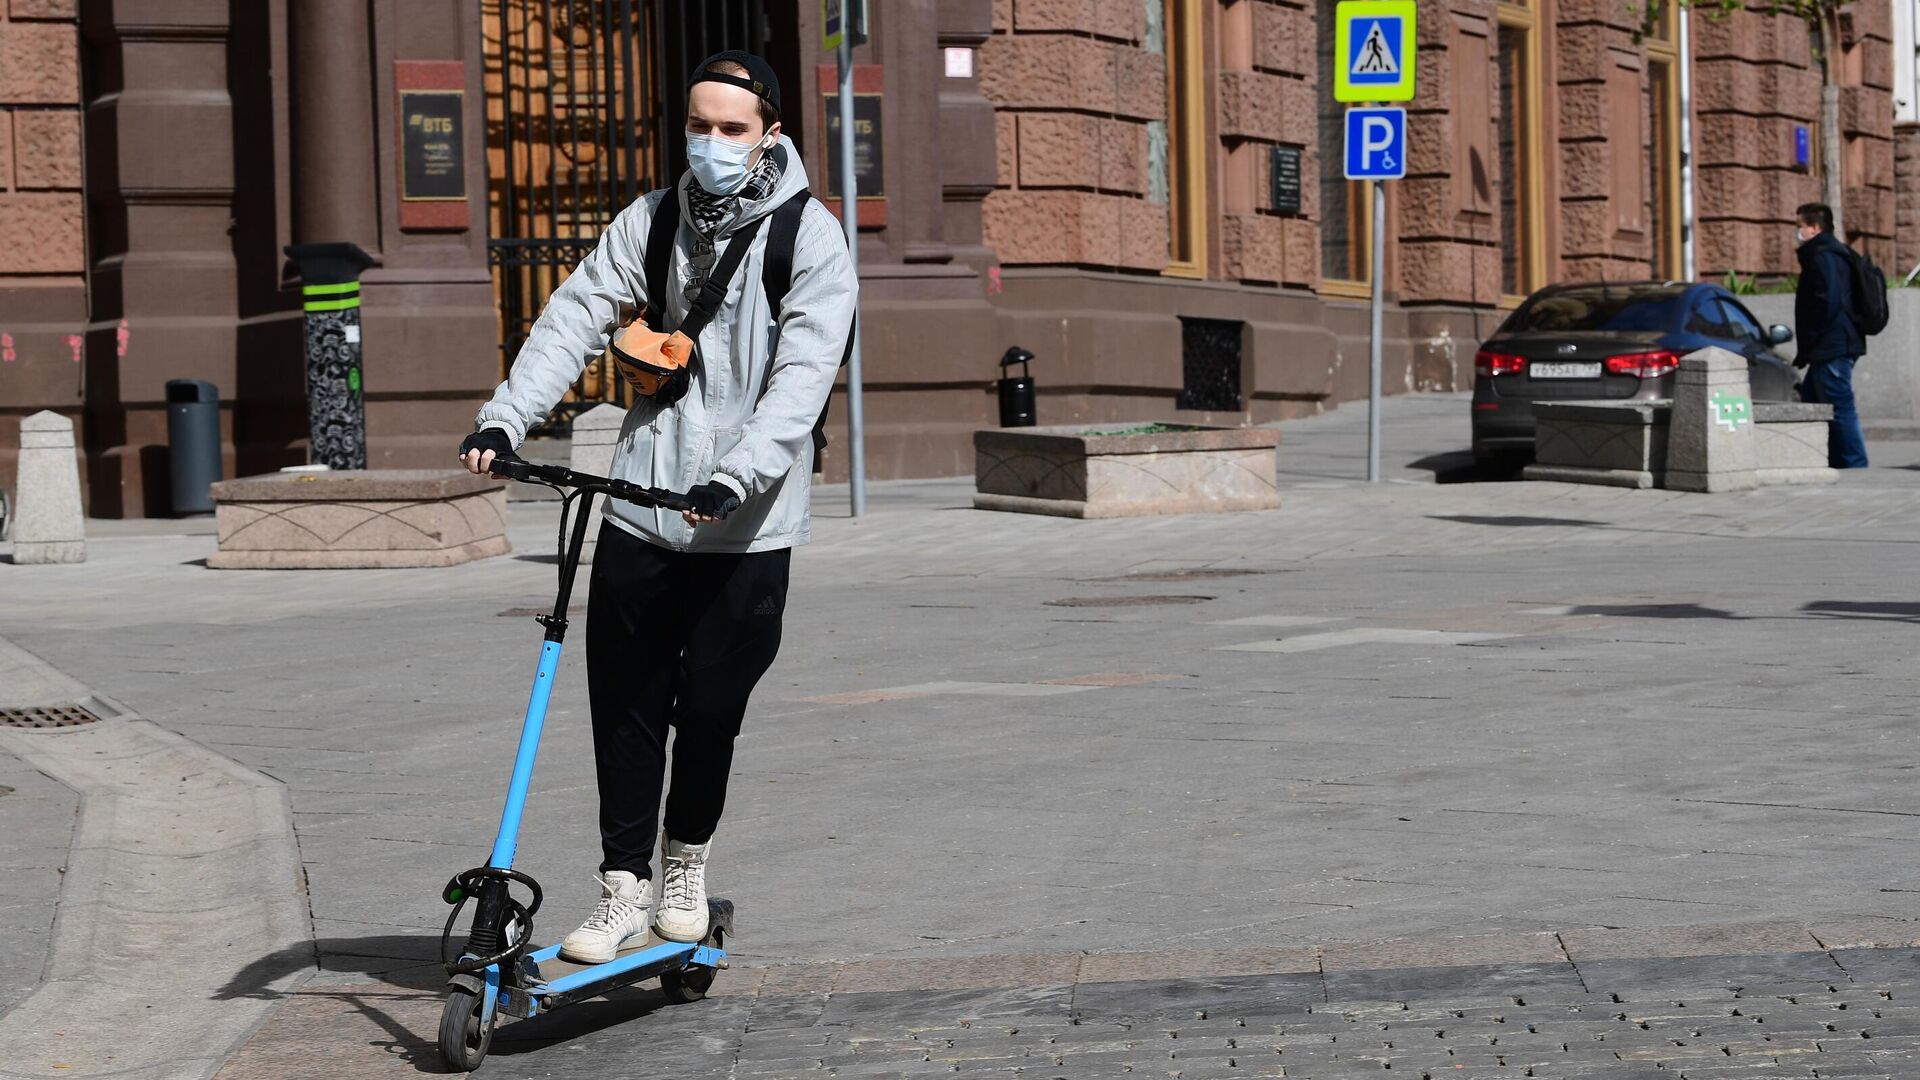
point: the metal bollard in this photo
(193, 444)
(336, 409)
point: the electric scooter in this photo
(495, 973)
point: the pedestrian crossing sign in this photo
(1374, 42)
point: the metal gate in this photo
(584, 111)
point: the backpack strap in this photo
(662, 235)
(659, 256)
(776, 275)
(714, 292)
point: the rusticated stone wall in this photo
(1077, 85)
(1756, 78)
(1601, 76)
(1265, 89)
(1447, 209)
(43, 252)
(41, 230)
(1906, 172)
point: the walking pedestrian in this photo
(684, 611)
(1829, 336)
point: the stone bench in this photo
(358, 519)
(1104, 470)
(1624, 444)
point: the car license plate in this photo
(1551, 369)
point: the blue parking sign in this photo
(1376, 144)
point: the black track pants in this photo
(673, 639)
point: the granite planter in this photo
(1110, 470)
(1624, 444)
(1620, 444)
(358, 519)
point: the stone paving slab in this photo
(181, 869)
(39, 814)
(1694, 1017)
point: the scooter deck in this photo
(553, 982)
(553, 969)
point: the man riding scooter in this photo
(684, 611)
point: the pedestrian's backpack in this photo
(776, 275)
(1869, 294)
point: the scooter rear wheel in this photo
(465, 1035)
(687, 985)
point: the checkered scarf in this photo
(710, 212)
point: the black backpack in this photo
(1869, 294)
(776, 275)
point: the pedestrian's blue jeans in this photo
(1831, 383)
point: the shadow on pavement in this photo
(1872, 611)
(578, 1020)
(1654, 611)
(410, 961)
(405, 1008)
(1519, 521)
(1459, 467)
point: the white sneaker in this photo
(683, 892)
(620, 914)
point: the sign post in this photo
(844, 25)
(1374, 42)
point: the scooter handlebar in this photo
(527, 471)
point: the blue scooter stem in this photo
(506, 842)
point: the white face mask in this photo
(719, 164)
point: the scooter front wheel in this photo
(465, 1035)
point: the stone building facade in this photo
(1093, 180)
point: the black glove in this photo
(713, 499)
(494, 439)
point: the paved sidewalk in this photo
(1752, 1001)
(39, 816)
(1403, 711)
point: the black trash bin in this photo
(193, 443)
(1016, 391)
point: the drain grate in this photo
(47, 716)
(1125, 601)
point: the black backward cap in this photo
(759, 80)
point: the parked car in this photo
(1621, 342)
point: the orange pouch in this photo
(658, 366)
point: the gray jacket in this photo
(749, 414)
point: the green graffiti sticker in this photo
(353, 380)
(1732, 411)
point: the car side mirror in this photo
(1778, 335)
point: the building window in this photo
(1186, 137)
(1344, 221)
(1663, 151)
(1522, 209)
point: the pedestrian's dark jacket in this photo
(1823, 307)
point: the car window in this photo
(1743, 324)
(1705, 316)
(1597, 308)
